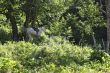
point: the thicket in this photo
(54, 55)
(78, 20)
(66, 24)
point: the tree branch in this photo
(71, 8)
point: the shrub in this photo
(53, 55)
(5, 34)
(6, 64)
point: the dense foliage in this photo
(58, 55)
(74, 39)
(76, 18)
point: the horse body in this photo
(32, 32)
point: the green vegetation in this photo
(57, 56)
(73, 38)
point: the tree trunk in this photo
(94, 40)
(10, 16)
(108, 25)
(26, 24)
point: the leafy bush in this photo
(5, 34)
(53, 55)
(6, 64)
(100, 56)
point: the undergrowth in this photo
(51, 56)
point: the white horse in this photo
(33, 32)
